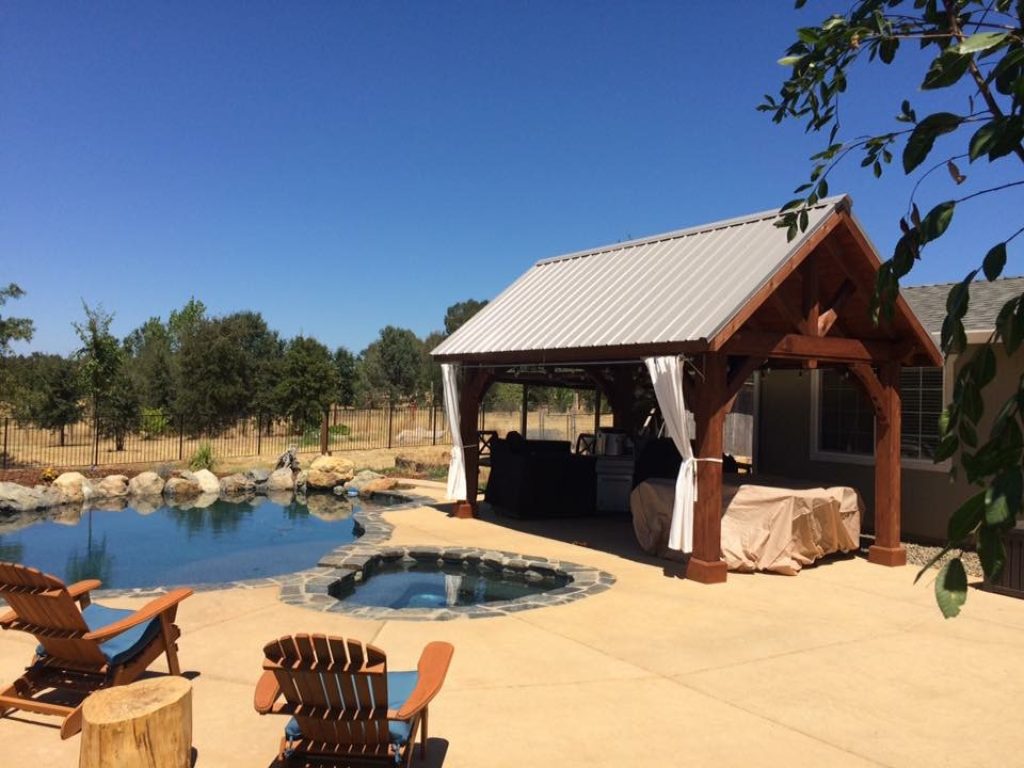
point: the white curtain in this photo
(667, 378)
(457, 468)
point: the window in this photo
(844, 421)
(921, 390)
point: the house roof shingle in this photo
(987, 298)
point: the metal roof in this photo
(681, 286)
(929, 302)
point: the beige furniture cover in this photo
(764, 527)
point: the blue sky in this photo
(341, 166)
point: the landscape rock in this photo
(183, 487)
(281, 498)
(73, 487)
(301, 480)
(111, 487)
(258, 476)
(146, 484)
(368, 482)
(208, 482)
(17, 498)
(328, 471)
(237, 485)
(289, 460)
(106, 504)
(280, 480)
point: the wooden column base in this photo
(891, 556)
(706, 572)
(464, 509)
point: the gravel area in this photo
(919, 554)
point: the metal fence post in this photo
(5, 459)
(259, 433)
(433, 419)
(391, 416)
(181, 438)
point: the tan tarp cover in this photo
(764, 528)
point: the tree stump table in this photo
(146, 724)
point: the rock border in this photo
(350, 562)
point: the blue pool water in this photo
(407, 584)
(224, 541)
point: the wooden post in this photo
(597, 411)
(147, 724)
(887, 549)
(474, 385)
(325, 434)
(706, 564)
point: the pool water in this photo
(415, 584)
(168, 546)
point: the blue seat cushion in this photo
(124, 646)
(400, 688)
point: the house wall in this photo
(929, 496)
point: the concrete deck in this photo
(847, 664)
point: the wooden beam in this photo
(790, 346)
(738, 376)
(788, 310)
(828, 318)
(475, 382)
(706, 564)
(754, 303)
(810, 301)
(887, 549)
(874, 389)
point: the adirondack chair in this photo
(83, 646)
(344, 702)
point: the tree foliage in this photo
(11, 329)
(308, 384)
(977, 63)
(457, 314)
(54, 395)
(392, 365)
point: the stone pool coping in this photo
(308, 588)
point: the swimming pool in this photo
(168, 546)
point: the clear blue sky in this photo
(341, 166)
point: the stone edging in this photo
(349, 560)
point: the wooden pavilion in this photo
(732, 297)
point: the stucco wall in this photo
(929, 497)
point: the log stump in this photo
(146, 724)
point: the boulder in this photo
(208, 482)
(183, 487)
(146, 484)
(111, 487)
(258, 476)
(17, 498)
(73, 486)
(301, 480)
(368, 482)
(237, 485)
(328, 471)
(280, 480)
(289, 460)
(281, 498)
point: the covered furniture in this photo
(774, 528)
(344, 702)
(83, 646)
(540, 478)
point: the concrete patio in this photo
(847, 664)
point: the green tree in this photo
(152, 364)
(100, 357)
(457, 314)
(120, 411)
(392, 366)
(216, 379)
(345, 365)
(11, 329)
(308, 384)
(978, 67)
(56, 394)
(185, 322)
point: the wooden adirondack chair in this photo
(83, 646)
(344, 702)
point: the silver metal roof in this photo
(676, 287)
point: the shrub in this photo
(154, 422)
(311, 437)
(202, 458)
(48, 475)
